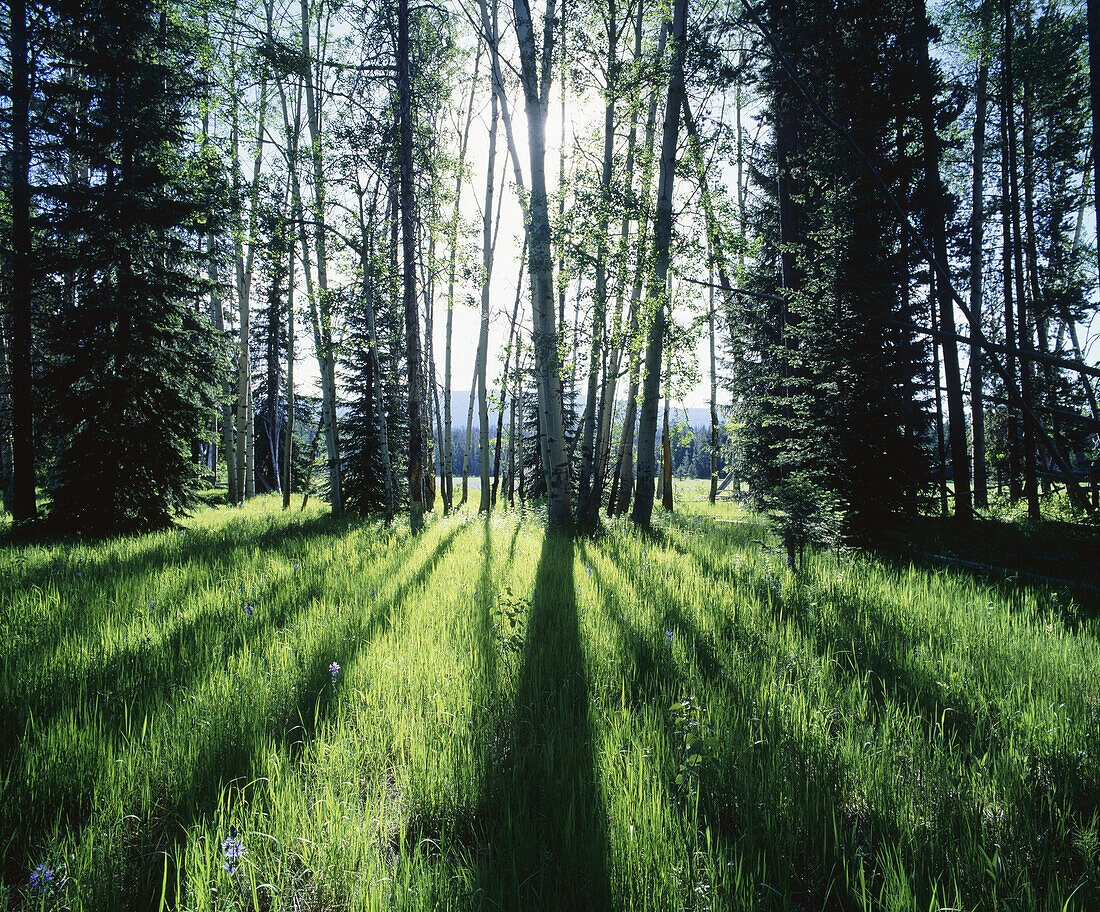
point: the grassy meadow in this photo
(268, 710)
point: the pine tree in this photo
(824, 379)
(133, 364)
(269, 338)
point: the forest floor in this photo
(278, 710)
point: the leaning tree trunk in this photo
(408, 247)
(937, 224)
(1067, 318)
(1094, 97)
(662, 241)
(977, 227)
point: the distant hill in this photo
(460, 402)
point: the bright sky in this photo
(581, 120)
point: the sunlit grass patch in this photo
(283, 710)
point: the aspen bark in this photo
(217, 316)
(590, 490)
(662, 238)
(613, 362)
(536, 88)
(623, 482)
(408, 247)
(320, 303)
(244, 259)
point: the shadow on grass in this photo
(745, 774)
(83, 577)
(218, 754)
(127, 680)
(230, 760)
(1058, 562)
(880, 660)
(536, 836)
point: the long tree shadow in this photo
(138, 672)
(861, 637)
(742, 773)
(881, 662)
(233, 759)
(781, 788)
(541, 815)
(81, 575)
(228, 750)
(866, 642)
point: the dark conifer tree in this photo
(824, 377)
(130, 384)
(269, 343)
(364, 483)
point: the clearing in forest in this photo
(288, 711)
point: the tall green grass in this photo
(665, 720)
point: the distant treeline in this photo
(690, 451)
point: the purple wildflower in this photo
(334, 670)
(669, 636)
(234, 850)
(42, 878)
(248, 610)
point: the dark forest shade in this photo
(23, 505)
(132, 363)
(827, 380)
